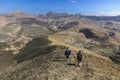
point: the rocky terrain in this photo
(32, 46)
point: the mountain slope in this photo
(26, 55)
(52, 66)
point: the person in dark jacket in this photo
(79, 57)
(67, 54)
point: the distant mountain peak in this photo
(17, 12)
(51, 13)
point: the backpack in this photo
(67, 53)
(79, 56)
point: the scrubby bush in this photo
(111, 34)
(115, 58)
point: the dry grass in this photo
(101, 65)
(57, 40)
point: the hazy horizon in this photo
(85, 7)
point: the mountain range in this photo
(33, 45)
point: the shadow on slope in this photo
(90, 34)
(38, 46)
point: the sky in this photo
(85, 7)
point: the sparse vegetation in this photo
(39, 59)
(3, 45)
(6, 59)
(69, 25)
(34, 30)
(38, 46)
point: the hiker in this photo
(79, 57)
(67, 54)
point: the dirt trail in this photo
(57, 42)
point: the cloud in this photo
(108, 13)
(74, 1)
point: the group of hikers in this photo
(78, 55)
